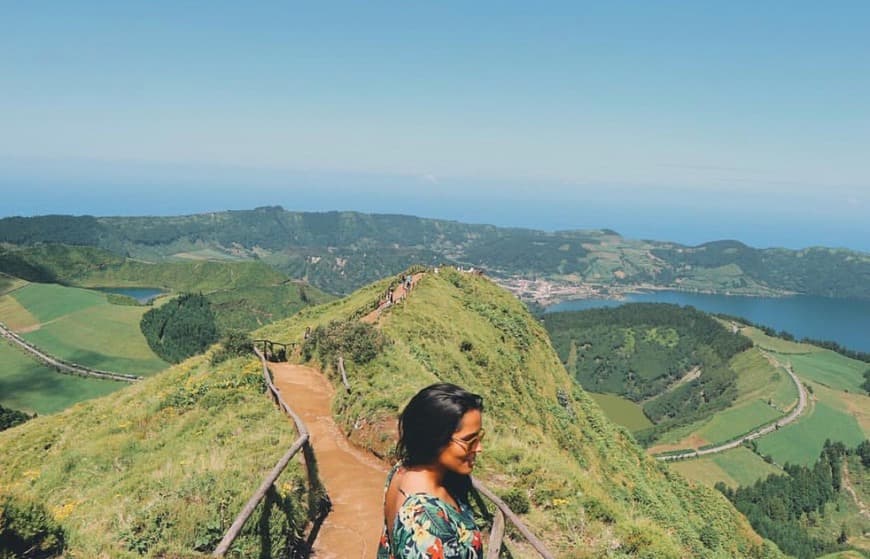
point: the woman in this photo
(426, 511)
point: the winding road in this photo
(761, 431)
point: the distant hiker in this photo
(390, 296)
(307, 333)
(426, 511)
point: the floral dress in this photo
(428, 528)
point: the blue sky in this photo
(668, 120)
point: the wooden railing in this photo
(319, 503)
(496, 534)
(343, 372)
(274, 351)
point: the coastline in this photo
(549, 292)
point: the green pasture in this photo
(14, 315)
(828, 368)
(80, 326)
(48, 301)
(104, 337)
(9, 283)
(777, 345)
(26, 384)
(622, 411)
(678, 434)
(738, 466)
(735, 421)
(765, 392)
(802, 441)
(759, 379)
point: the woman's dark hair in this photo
(430, 419)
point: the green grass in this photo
(160, 467)
(622, 411)
(744, 466)
(570, 463)
(764, 394)
(802, 441)
(829, 368)
(735, 421)
(48, 301)
(758, 379)
(27, 385)
(82, 327)
(158, 462)
(739, 466)
(775, 344)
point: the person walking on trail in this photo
(426, 510)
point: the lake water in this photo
(845, 321)
(141, 294)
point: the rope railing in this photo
(303, 443)
(496, 538)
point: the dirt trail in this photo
(353, 478)
(847, 485)
(399, 293)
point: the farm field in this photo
(30, 386)
(622, 411)
(830, 369)
(765, 392)
(777, 345)
(80, 326)
(739, 466)
(801, 442)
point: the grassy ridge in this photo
(341, 251)
(160, 467)
(589, 486)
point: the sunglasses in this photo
(468, 444)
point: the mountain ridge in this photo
(589, 489)
(342, 251)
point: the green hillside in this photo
(674, 360)
(159, 468)
(244, 294)
(342, 251)
(589, 486)
(81, 326)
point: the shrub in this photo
(517, 500)
(234, 344)
(11, 418)
(353, 340)
(28, 531)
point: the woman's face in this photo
(459, 454)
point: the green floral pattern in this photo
(428, 528)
